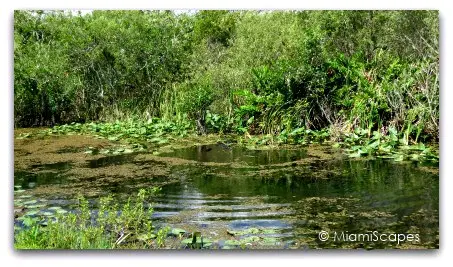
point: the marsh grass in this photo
(114, 226)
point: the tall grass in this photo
(113, 226)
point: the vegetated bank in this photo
(283, 73)
(365, 81)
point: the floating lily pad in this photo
(250, 239)
(55, 208)
(250, 231)
(32, 212)
(232, 243)
(62, 211)
(177, 231)
(21, 218)
(269, 231)
(189, 242)
(37, 206)
(30, 202)
(270, 241)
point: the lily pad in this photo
(55, 208)
(31, 212)
(250, 239)
(62, 211)
(37, 206)
(30, 202)
(232, 243)
(198, 244)
(177, 232)
(270, 241)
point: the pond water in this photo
(259, 198)
(223, 153)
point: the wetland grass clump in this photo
(114, 226)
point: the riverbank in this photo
(284, 192)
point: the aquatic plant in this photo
(113, 226)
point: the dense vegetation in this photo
(367, 80)
(113, 226)
(232, 71)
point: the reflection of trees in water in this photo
(223, 153)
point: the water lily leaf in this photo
(186, 241)
(62, 211)
(250, 239)
(30, 202)
(199, 243)
(270, 241)
(177, 231)
(54, 208)
(31, 212)
(21, 218)
(269, 231)
(232, 243)
(37, 206)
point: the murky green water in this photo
(286, 206)
(224, 153)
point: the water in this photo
(289, 203)
(223, 153)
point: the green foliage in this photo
(197, 241)
(115, 226)
(155, 130)
(392, 145)
(103, 64)
(214, 26)
(256, 72)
